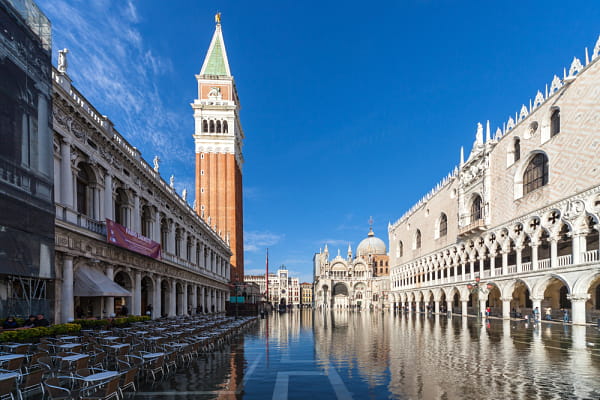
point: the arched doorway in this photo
(494, 301)
(147, 291)
(340, 295)
(521, 303)
(165, 298)
(123, 305)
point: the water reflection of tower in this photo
(236, 367)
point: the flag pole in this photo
(267, 277)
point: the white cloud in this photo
(112, 66)
(255, 240)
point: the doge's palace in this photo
(515, 225)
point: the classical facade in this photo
(218, 142)
(306, 294)
(100, 177)
(515, 225)
(26, 206)
(283, 289)
(358, 282)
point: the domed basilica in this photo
(359, 282)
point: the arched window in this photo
(536, 173)
(225, 128)
(83, 182)
(443, 225)
(517, 149)
(146, 221)
(218, 126)
(121, 207)
(418, 239)
(204, 126)
(555, 122)
(164, 234)
(211, 126)
(476, 209)
(400, 249)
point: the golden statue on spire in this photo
(218, 18)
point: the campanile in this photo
(218, 138)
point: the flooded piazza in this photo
(373, 355)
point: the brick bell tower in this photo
(218, 138)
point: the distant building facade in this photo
(26, 204)
(218, 139)
(515, 225)
(353, 282)
(283, 289)
(306, 294)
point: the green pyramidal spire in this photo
(216, 62)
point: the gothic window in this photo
(400, 249)
(83, 182)
(211, 126)
(476, 209)
(517, 149)
(443, 225)
(218, 126)
(418, 239)
(555, 122)
(225, 128)
(204, 126)
(536, 173)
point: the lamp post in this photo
(478, 288)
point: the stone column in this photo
(67, 300)
(156, 228)
(464, 275)
(108, 197)
(472, 269)
(504, 262)
(157, 306)
(110, 301)
(537, 302)
(44, 161)
(137, 294)
(194, 299)
(553, 252)
(173, 299)
(579, 247)
(449, 306)
(578, 311)
(492, 256)
(519, 250)
(534, 255)
(185, 299)
(66, 175)
(436, 306)
(464, 304)
(506, 307)
(208, 300)
(136, 218)
(171, 237)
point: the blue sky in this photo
(350, 109)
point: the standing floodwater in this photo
(367, 355)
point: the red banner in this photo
(123, 237)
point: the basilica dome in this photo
(371, 245)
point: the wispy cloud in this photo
(256, 240)
(114, 68)
(333, 242)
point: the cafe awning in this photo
(91, 282)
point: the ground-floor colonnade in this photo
(576, 290)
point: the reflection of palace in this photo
(360, 282)
(360, 339)
(521, 213)
(99, 176)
